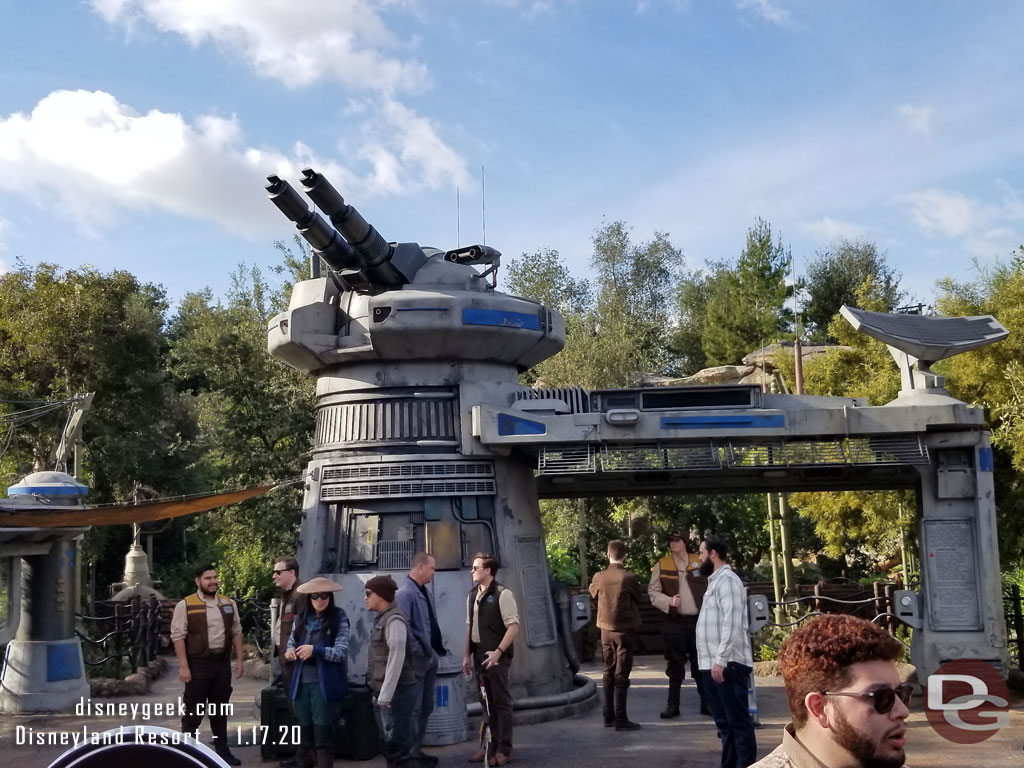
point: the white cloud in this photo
(827, 228)
(937, 211)
(299, 42)
(98, 159)
(917, 118)
(768, 10)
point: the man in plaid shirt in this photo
(724, 655)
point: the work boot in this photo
(672, 706)
(609, 704)
(303, 757)
(325, 758)
(220, 746)
(622, 721)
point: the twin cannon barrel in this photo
(360, 257)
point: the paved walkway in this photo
(576, 741)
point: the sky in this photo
(138, 134)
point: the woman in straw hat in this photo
(319, 647)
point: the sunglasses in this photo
(319, 595)
(278, 573)
(884, 698)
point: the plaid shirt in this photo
(722, 627)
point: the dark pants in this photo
(499, 702)
(426, 678)
(617, 652)
(396, 725)
(681, 647)
(317, 717)
(728, 702)
(209, 691)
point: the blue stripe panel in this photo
(47, 490)
(736, 421)
(513, 425)
(442, 696)
(500, 318)
(421, 309)
(985, 461)
(63, 662)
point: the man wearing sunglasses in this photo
(848, 705)
(286, 578)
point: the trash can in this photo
(448, 721)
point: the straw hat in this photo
(319, 584)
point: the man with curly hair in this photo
(848, 704)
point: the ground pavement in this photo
(689, 740)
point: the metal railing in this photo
(125, 633)
(254, 615)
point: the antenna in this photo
(458, 220)
(483, 203)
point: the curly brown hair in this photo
(817, 657)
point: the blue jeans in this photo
(426, 679)
(728, 702)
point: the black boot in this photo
(220, 746)
(672, 707)
(609, 704)
(324, 758)
(622, 721)
(304, 757)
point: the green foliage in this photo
(746, 304)
(565, 565)
(836, 276)
(686, 339)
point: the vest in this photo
(376, 667)
(670, 586)
(289, 607)
(492, 626)
(197, 636)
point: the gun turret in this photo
(356, 250)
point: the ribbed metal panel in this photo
(387, 421)
(814, 452)
(413, 489)
(631, 458)
(707, 456)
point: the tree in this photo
(691, 314)
(256, 416)
(837, 274)
(746, 304)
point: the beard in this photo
(706, 568)
(862, 748)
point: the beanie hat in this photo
(384, 586)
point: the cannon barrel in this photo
(321, 236)
(374, 251)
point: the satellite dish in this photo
(918, 341)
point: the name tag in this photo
(228, 609)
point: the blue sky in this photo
(136, 134)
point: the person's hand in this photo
(467, 665)
(674, 602)
(185, 674)
(290, 654)
(491, 658)
(304, 651)
(718, 673)
(239, 668)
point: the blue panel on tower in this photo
(513, 425)
(63, 662)
(737, 421)
(500, 318)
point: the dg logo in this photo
(967, 701)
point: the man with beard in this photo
(724, 654)
(848, 705)
(204, 628)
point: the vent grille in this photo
(577, 398)
(562, 461)
(394, 554)
(734, 455)
(408, 469)
(387, 421)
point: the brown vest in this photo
(197, 637)
(376, 666)
(697, 585)
(289, 607)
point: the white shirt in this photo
(722, 626)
